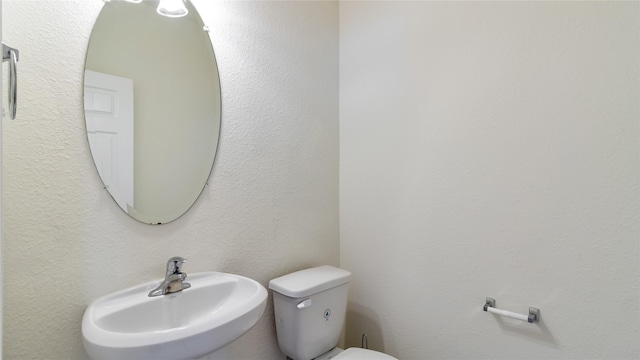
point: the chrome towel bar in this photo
(533, 317)
(12, 56)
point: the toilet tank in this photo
(310, 307)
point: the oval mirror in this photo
(152, 107)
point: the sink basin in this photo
(128, 324)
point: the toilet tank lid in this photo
(309, 281)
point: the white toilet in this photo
(310, 307)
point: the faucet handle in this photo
(174, 265)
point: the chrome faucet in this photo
(173, 279)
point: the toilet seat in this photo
(362, 354)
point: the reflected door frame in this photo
(108, 105)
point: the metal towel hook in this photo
(12, 56)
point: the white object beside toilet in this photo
(310, 308)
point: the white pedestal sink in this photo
(216, 310)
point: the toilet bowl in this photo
(310, 307)
(354, 354)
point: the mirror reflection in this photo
(152, 108)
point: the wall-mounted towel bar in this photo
(12, 55)
(533, 317)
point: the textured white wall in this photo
(271, 206)
(491, 149)
(2, 95)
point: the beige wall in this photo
(491, 149)
(271, 206)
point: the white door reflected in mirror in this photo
(108, 107)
